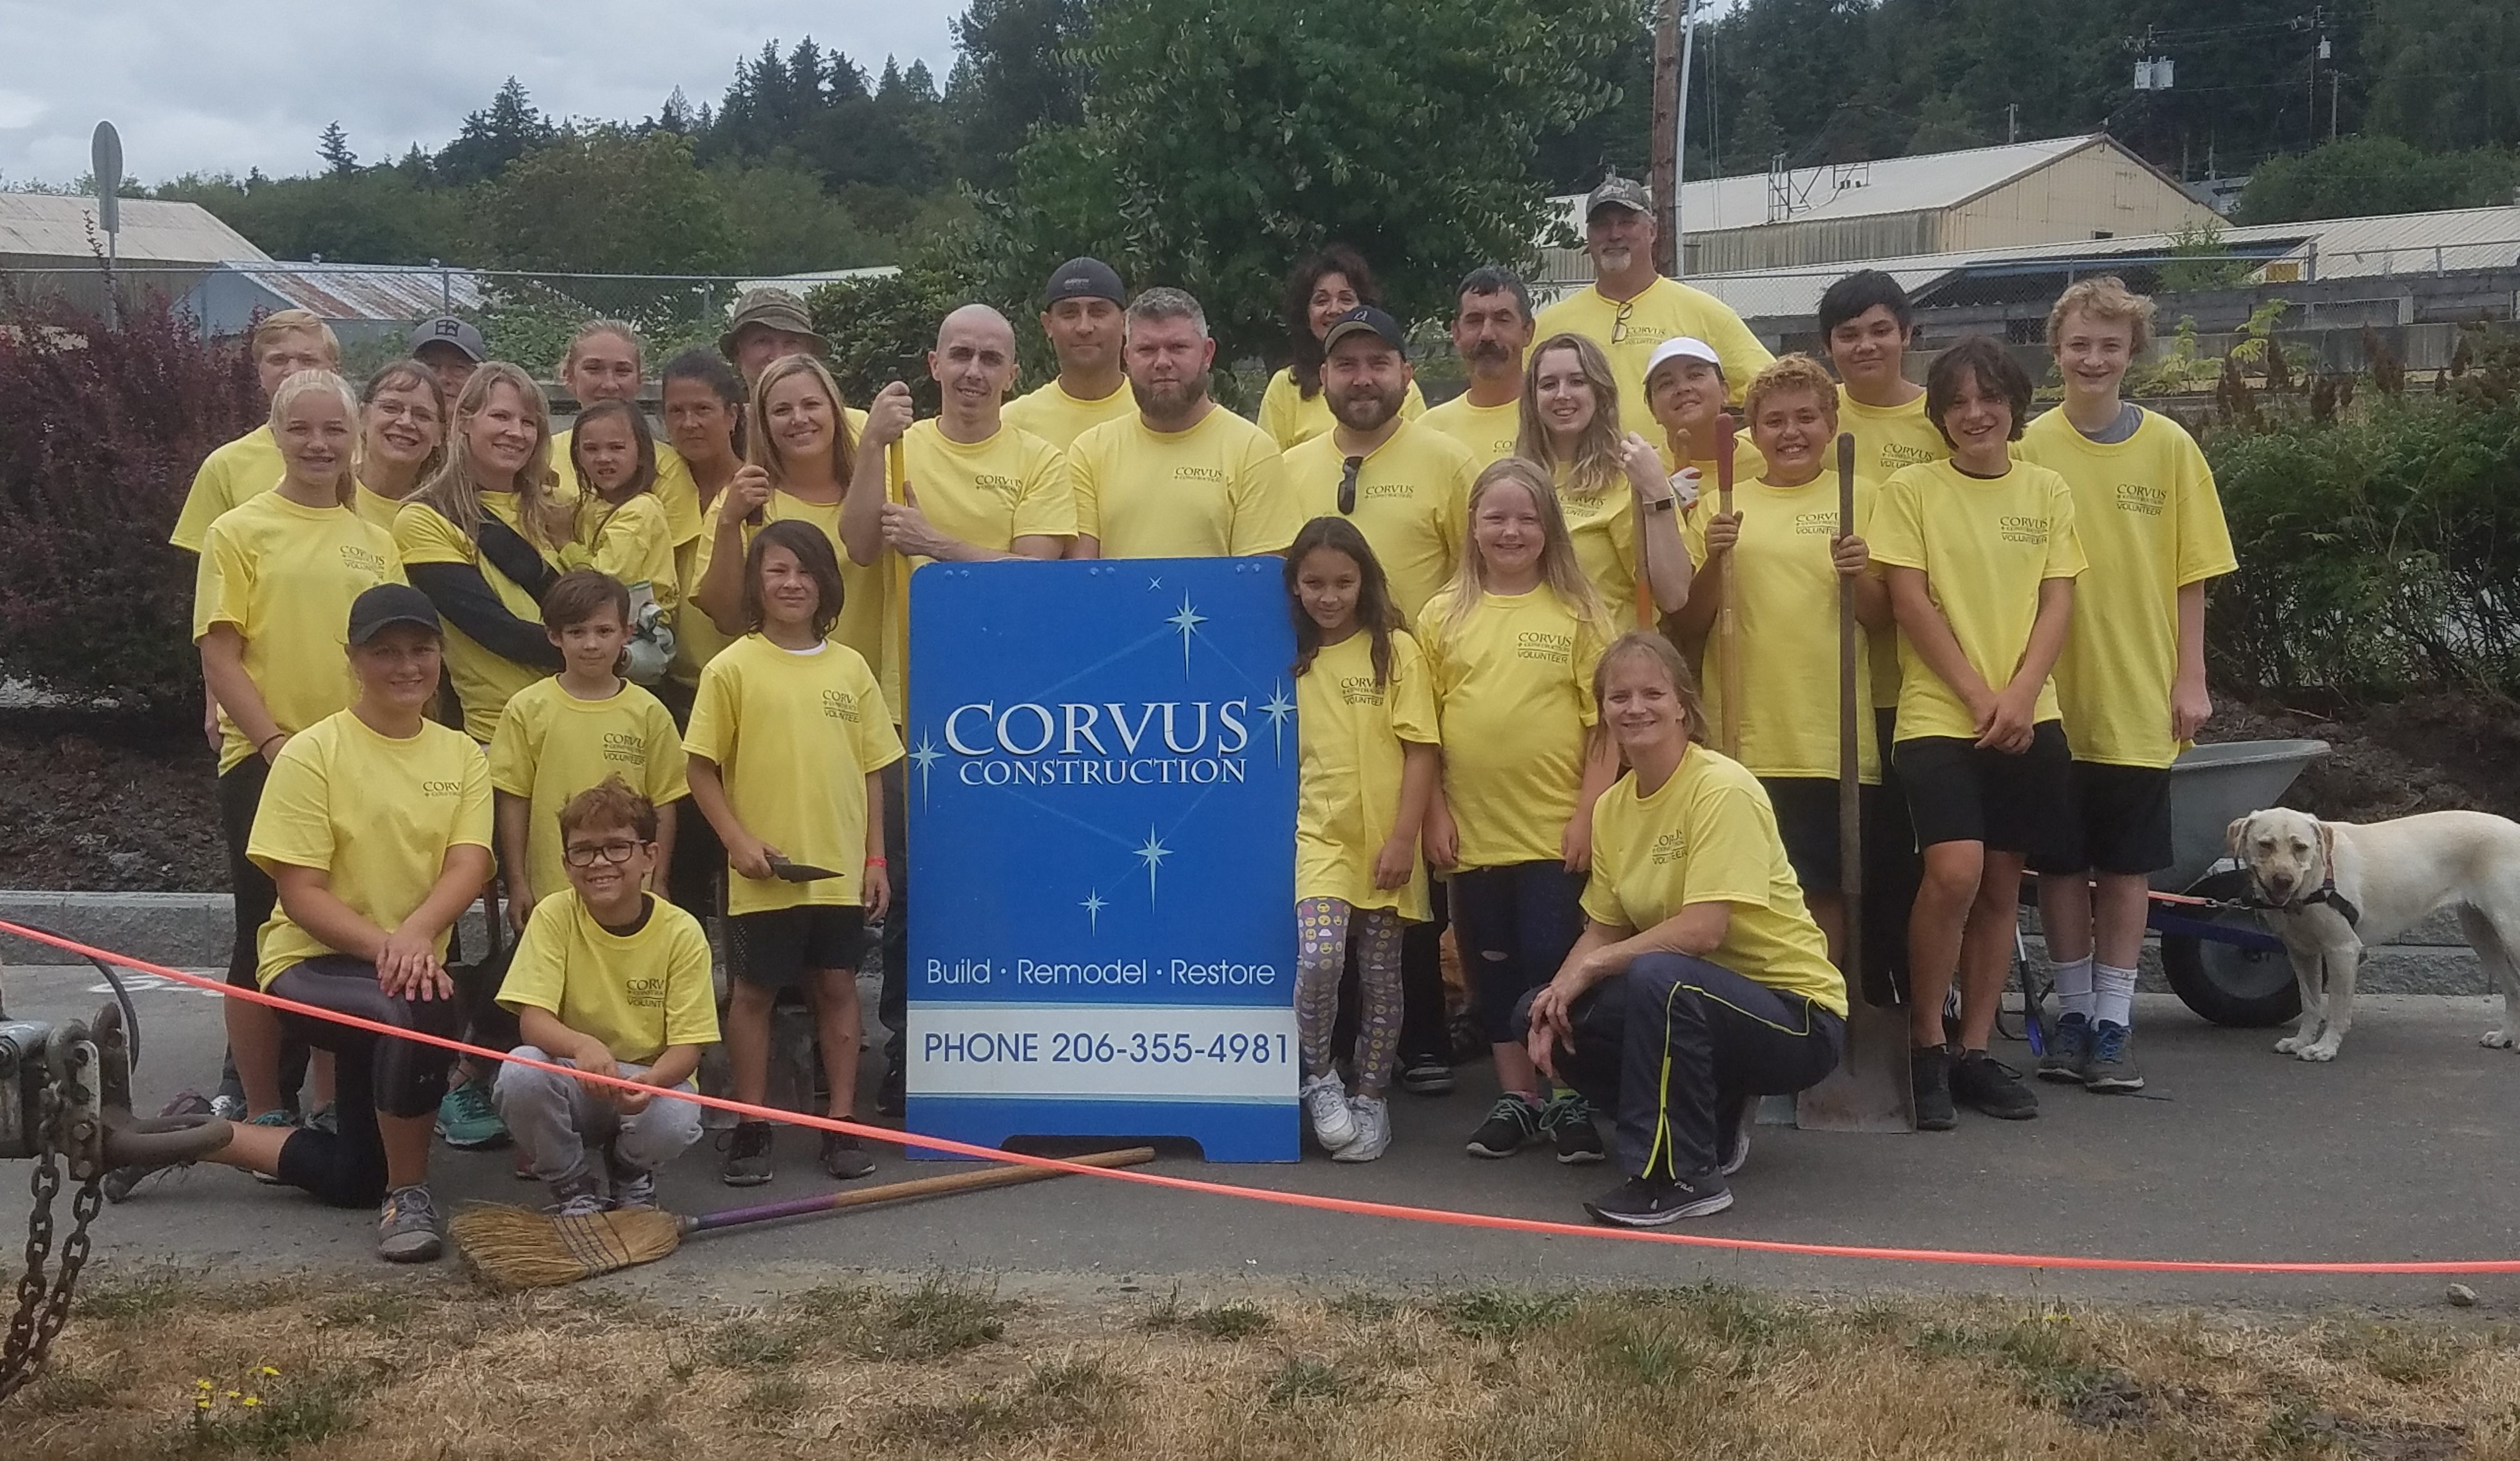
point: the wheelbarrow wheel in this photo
(2243, 987)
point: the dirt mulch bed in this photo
(2428, 753)
(93, 803)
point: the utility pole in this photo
(1664, 173)
(2012, 122)
(1687, 11)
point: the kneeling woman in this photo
(376, 826)
(1700, 983)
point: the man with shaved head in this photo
(972, 489)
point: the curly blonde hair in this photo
(1787, 374)
(2105, 298)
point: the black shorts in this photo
(2120, 820)
(784, 947)
(1807, 823)
(2011, 803)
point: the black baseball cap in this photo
(1084, 279)
(385, 605)
(1364, 319)
(447, 330)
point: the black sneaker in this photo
(892, 1092)
(1992, 1087)
(1512, 1120)
(1733, 1136)
(1929, 1076)
(2069, 1050)
(1651, 1202)
(747, 1155)
(2111, 1069)
(1426, 1076)
(844, 1158)
(1569, 1118)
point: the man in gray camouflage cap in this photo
(767, 324)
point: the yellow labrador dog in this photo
(2333, 888)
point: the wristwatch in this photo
(1664, 504)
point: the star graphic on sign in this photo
(1153, 855)
(926, 757)
(1188, 622)
(1277, 708)
(1154, 583)
(1094, 907)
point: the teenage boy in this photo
(2132, 679)
(1685, 391)
(1492, 334)
(615, 981)
(1981, 557)
(560, 736)
(1080, 312)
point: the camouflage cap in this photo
(775, 308)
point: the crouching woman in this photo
(1700, 982)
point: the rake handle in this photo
(1728, 622)
(1850, 803)
(935, 1186)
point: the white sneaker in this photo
(1325, 1102)
(1372, 1118)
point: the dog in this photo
(2331, 889)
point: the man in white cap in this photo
(1629, 309)
(1685, 389)
(1080, 312)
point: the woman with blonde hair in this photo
(1619, 506)
(402, 438)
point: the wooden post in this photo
(1666, 141)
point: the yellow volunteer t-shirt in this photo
(375, 506)
(228, 476)
(1784, 596)
(674, 490)
(1216, 490)
(1057, 417)
(631, 541)
(1513, 683)
(794, 735)
(1489, 431)
(375, 814)
(1627, 333)
(1349, 788)
(1413, 498)
(1709, 835)
(638, 993)
(1290, 418)
(1887, 439)
(285, 574)
(484, 681)
(1985, 548)
(696, 639)
(2151, 524)
(1602, 525)
(1746, 463)
(551, 746)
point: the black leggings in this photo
(373, 1075)
(249, 888)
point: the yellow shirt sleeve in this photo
(2064, 546)
(1729, 857)
(1742, 354)
(515, 748)
(691, 999)
(293, 826)
(668, 765)
(475, 823)
(711, 733)
(1601, 902)
(423, 535)
(538, 971)
(1898, 537)
(1413, 693)
(879, 744)
(1265, 518)
(1589, 647)
(1080, 489)
(1279, 400)
(222, 585)
(1045, 504)
(635, 544)
(2204, 536)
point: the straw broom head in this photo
(519, 1248)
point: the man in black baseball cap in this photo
(1081, 313)
(452, 349)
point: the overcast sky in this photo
(228, 85)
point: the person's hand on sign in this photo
(751, 858)
(888, 415)
(906, 530)
(876, 891)
(747, 495)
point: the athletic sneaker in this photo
(1511, 1121)
(1651, 1202)
(633, 1189)
(892, 1092)
(467, 1121)
(1426, 1076)
(747, 1155)
(1569, 1118)
(2069, 1050)
(275, 1117)
(1325, 1109)
(1733, 1136)
(2111, 1069)
(579, 1196)
(1372, 1116)
(407, 1227)
(226, 1107)
(119, 1184)
(325, 1119)
(1929, 1079)
(524, 1169)
(843, 1157)
(1992, 1087)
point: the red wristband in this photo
(877, 863)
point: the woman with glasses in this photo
(1323, 287)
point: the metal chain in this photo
(27, 1341)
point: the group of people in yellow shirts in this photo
(1502, 607)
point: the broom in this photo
(519, 1248)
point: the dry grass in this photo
(949, 1367)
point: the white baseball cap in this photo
(1682, 347)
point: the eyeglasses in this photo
(1347, 485)
(583, 855)
(1619, 322)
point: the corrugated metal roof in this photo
(800, 283)
(47, 226)
(365, 291)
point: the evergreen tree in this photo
(491, 139)
(334, 147)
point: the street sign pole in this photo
(104, 165)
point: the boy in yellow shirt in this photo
(1981, 557)
(615, 981)
(2132, 679)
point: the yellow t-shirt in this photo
(696, 639)
(1489, 431)
(1349, 799)
(793, 736)
(632, 542)
(1887, 439)
(1602, 525)
(375, 506)
(285, 574)
(551, 746)
(1746, 465)
(1411, 503)
(1290, 418)
(1665, 310)
(1514, 685)
(1213, 491)
(638, 993)
(674, 490)
(866, 593)
(1057, 417)
(484, 681)
(1985, 548)
(1784, 596)
(228, 475)
(2151, 524)
(377, 814)
(1709, 835)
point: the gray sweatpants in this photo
(556, 1121)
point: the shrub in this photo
(99, 432)
(881, 329)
